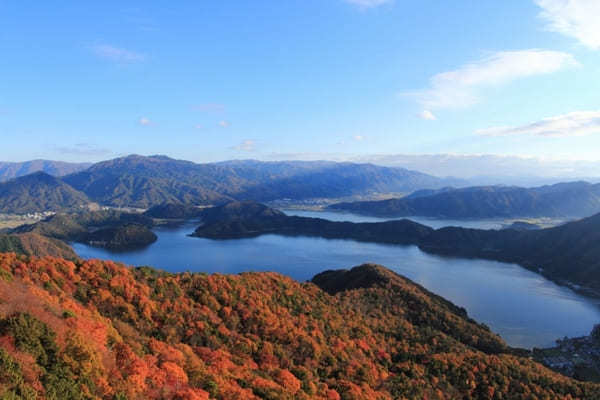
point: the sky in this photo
(214, 80)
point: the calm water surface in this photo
(523, 307)
(494, 223)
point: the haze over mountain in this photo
(11, 170)
(39, 192)
(491, 169)
(573, 199)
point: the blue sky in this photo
(213, 80)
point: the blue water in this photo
(526, 309)
(492, 223)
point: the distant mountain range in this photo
(39, 192)
(143, 182)
(489, 169)
(11, 170)
(574, 199)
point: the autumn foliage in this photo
(99, 330)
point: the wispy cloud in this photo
(368, 3)
(464, 86)
(358, 138)
(246, 145)
(574, 18)
(224, 124)
(145, 121)
(117, 54)
(578, 123)
(427, 115)
(83, 149)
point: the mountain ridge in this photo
(130, 180)
(11, 170)
(39, 192)
(568, 199)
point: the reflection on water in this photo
(525, 308)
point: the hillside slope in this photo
(32, 244)
(111, 229)
(39, 192)
(567, 253)
(574, 199)
(99, 330)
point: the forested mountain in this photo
(96, 329)
(112, 229)
(574, 199)
(569, 252)
(334, 180)
(11, 170)
(33, 244)
(147, 181)
(248, 219)
(173, 211)
(39, 192)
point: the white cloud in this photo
(578, 123)
(224, 124)
(463, 87)
(358, 138)
(145, 121)
(246, 145)
(117, 54)
(199, 126)
(368, 3)
(427, 115)
(574, 18)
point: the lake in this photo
(526, 309)
(436, 223)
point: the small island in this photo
(250, 219)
